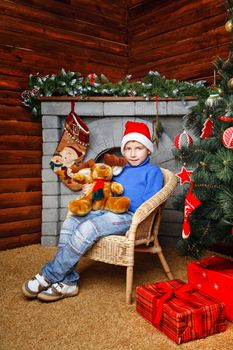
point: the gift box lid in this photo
(186, 293)
(216, 264)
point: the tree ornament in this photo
(27, 94)
(184, 175)
(227, 138)
(230, 83)
(207, 130)
(191, 203)
(229, 26)
(214, 96)
(183, 140)
(202, 164)
(226, 119)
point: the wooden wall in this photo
(179, 39)
(44, 36)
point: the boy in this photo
(140, 179)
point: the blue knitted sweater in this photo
(140, 182)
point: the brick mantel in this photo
(102, 106)
(105, 117)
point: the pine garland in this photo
(75, 84)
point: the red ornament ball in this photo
(183, 140)
(227, 138)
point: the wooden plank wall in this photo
(179, 39)
(44, 36)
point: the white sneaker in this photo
(58, 291)
(34, 286)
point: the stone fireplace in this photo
(105, 118)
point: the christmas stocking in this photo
(71, 149)
(191, 203)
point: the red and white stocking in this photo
(191, 203)
(71, 149)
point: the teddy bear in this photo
(103, 189)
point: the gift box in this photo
(214, 276)
(179, 311)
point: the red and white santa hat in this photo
(135, 131)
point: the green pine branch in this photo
(212, 162)
(74, 84)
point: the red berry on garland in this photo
(183, 140)
(91, 78)
(227, 138)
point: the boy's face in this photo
(135, 153)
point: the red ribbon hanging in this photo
(157, 104)
(156, 121)
(72, 106)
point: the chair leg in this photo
(165, 265)
(129, 284)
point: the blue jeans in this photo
(77, 235)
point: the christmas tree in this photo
(207, 159)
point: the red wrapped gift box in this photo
(179, 311)
(214, 276)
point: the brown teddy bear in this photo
(101, 195)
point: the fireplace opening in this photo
(113, 150)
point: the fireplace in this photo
(105, 118)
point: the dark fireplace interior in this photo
(113, 150)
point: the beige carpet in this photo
(97, 318)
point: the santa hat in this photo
(135, 131)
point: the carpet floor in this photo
(97, 318)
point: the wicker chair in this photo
(142, 235)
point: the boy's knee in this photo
(70, 223)
(88, 229)
(84, 236)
